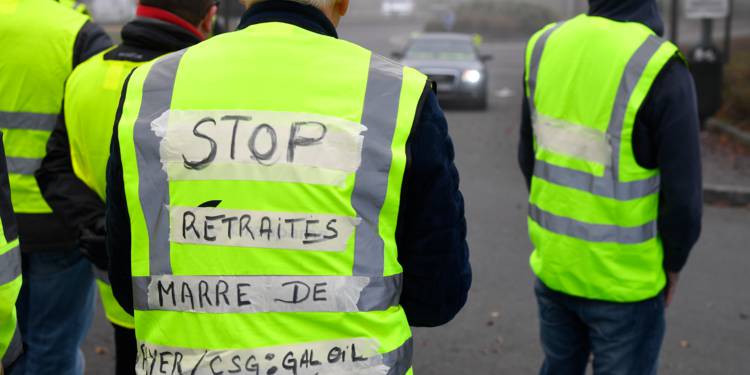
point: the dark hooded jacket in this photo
(665, 137)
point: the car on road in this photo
(453, 62)
(402, 8)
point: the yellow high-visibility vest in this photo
(38, 37)
(593, 209)
(92, 94)
(263, 172)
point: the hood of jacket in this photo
(641, 11)
(145, 39)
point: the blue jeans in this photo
(624, 338)
(55, 309)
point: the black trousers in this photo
(125, 350)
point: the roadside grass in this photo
(728, 154)
(736, 109)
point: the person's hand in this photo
(672, 279)
(92, 244)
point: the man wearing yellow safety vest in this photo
(11, 345)
(42, 41)
(610, 148)
(78, 149)
(271, 203)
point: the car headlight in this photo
(472, 76)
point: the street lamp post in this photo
(728, 33)
(673, 25)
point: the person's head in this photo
(642, 11)
(200, 13)
(333, 9)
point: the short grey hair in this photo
(315, 3)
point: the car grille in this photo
(443, 79)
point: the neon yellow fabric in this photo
(115, 313)
(33, 80)
(92, 94)
(586, 96)
(8, 295)
(298, 78)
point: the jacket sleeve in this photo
(10, 229)
(78, 205)
(91, 40)
(671, 116)
(526, 155)
(118, 222)
(431, 233)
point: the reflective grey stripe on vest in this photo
(608, 185)
(400, 360)
(15, 349)
(630, 78)
(23, 166)
(379, 116)
(261, 294)
(154, 188)
(10, 265)
(101, 275)
(602, 186)
(28, 121)
(536, 58)
(592, 232)
(380, 113)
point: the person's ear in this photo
(206, 27)
(341, 7)
(338, 10)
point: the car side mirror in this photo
(397, 55)
(486, 58)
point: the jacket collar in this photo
(304, 16)
(145, 39)
(169, 17)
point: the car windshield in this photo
(454, 50)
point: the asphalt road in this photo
(496, 333)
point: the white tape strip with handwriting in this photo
(572, 139)
(258, 145)
(255, 294)
(357, 356)
(258, 229)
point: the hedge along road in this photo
(496, 333)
